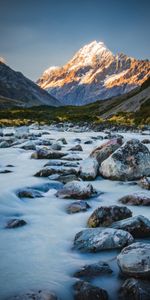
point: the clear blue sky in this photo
(37, 34)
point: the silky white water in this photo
(39, 255)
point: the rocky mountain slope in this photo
(94, 73)
(17, 90)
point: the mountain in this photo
(17, 90)
(94, 73)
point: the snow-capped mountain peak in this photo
(94, 73)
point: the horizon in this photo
(36, 38)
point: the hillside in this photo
(14, 85)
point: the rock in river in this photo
(135, 289)
(88, 169)
(144, 183)
(98, 239)
(85, 291)
(106, 215)
(47, 154)
(39, 295)
(131, 161)
(136, 199)
(89, 271)
(78, 206)
(29, 193)
(138, 226)
(15, 223)
(134, 260)
(76, 190)
(105, 150)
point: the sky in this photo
(37, 34)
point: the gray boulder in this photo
(76, 190)
(78, 206)
(138, 226)
(105, 150)
(144, 183)
(15, 223)
(136, 199)
(135, 289)
(88, 169)
(85, 291)
(134, 260)
(47, 154)
(89, 271)
(106, 215)
(98, 239)
(131, 161)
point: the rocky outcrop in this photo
(138, 226)
(136, 199)
(76, 190)
(98, 239)
(134, 260)
(131, 161)
(106, 215)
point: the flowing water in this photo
(40, 255)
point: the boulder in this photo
(15, 223)
(88, 169)
(47, 171)
(4, 144)
(135, 289)
(105, 215)
(63, 178)
(62, 140)
(144, 183)
(39, 295)
(85, 291)
(29, 193)
(138, 226)
(131, 161)
(56, 146)
(145, 141)
(78, 206)
(98, 239)
(47, 154)
(89, 271)
(29, 145)
(136, 199)
(76, 148)
(105, 150)
(72, 157)
(76, 190)
(134, 260)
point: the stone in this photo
(138, 226)
(78, 206)
(145, 141)
(136, 199)
(144, 183)
(29, 193)
(135, 289)
(29, 145)
(87, 272)
(15, 223)
(76, 148)
(76, 190)
(72, 157)
(105, 150)
(63, 178)
(134, 260)
(47, 171)
(98, 239)
(88, 169)
(39, 295)
(130, 162)
(47, 154)
(105, 215)
(85, 291)
(62, 140)
(56, 146)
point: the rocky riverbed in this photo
(74, 209)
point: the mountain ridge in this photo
(14, 85)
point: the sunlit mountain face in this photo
(94, 73)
